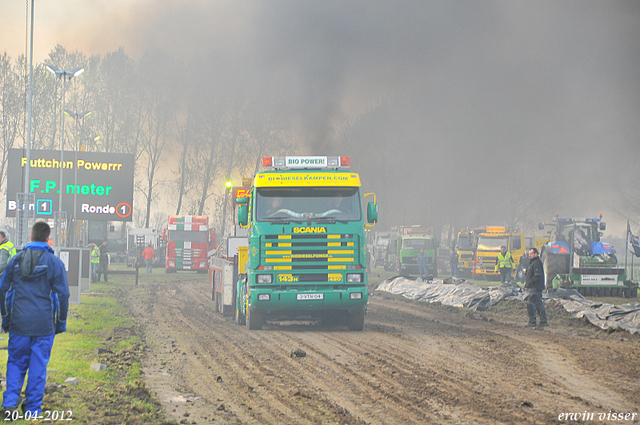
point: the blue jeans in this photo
(30, 353)
(535, 304)
(424, 272)
(149, 264)
(454, 270)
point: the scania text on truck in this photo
(307, 246)
(189, 241)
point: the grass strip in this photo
(115, 396)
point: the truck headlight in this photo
(264, 278)
(264, 297)
(354, 277)
(355, 296)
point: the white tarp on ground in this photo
(461, 293)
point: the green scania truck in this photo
(307, 249)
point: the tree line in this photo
(189, 129)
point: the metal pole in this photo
(75, 186)
(64, 94)
(26, 181)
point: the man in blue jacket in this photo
(34, 299)
(422, 261)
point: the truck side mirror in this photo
(242, 201)
(372, 213)
(541, 226)
(602, 225)
(243, 215)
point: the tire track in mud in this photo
(248, 372)
(413, 363)
(414, 410)
(417, 383)
(287, 384)
(560, 380)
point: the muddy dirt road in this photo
(413, 363)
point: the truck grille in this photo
(309, 252)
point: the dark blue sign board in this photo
(99, 184)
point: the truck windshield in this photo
(187, 236)
(416, 244)
(464, 243)
(308, 203)
(492, 243)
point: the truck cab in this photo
(307, 247)
(488, 248)
(409, 247)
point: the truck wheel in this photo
(355, 321)
(254, 320)
(553, 265)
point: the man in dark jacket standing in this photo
(34, 300)
(103, 265)
(534, 284)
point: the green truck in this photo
(307, 249)
(405, 246)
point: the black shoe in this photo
(544, 324)
(530, 325)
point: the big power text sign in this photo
(99, 184)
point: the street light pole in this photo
(25, 213)
(65, 75)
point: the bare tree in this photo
(11, 111)
(159, 103)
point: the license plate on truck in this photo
(302, 297)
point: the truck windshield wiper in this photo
(329, 220)
(283, 220)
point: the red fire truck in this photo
(189, 242)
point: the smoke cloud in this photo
(453, 111)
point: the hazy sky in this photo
(477, 91)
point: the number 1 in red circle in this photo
(123, 210)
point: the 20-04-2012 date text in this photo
(45, 415)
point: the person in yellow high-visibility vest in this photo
(95, 259)
(504, 264)
(7, 250)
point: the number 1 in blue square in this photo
(45, 207)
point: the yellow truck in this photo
(488, 248)
(466, 250)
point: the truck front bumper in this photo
(270, 300)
